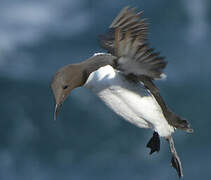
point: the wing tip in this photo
(163, 76)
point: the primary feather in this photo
(136, 58)
(127, 39)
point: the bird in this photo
(123, 78)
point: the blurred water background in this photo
(88, 141)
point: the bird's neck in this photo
(97, 61)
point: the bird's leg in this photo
(154, 143)
(175, 161)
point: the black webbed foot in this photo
(175, 162)
(154, 143)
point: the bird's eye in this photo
(65, 87)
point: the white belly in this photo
(131, 101)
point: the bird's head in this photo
(64, 81)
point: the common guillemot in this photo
(123, 80)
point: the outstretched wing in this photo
(127, 40)
(127, 20)
(134, 56)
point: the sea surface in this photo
(88, 141)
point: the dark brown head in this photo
(64, 81)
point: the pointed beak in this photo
(57, 108)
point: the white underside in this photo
(133, 102)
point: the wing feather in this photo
(127, 20)
(134, 57)
(127, 40)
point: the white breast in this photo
(131, 101)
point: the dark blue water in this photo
(88, 141)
